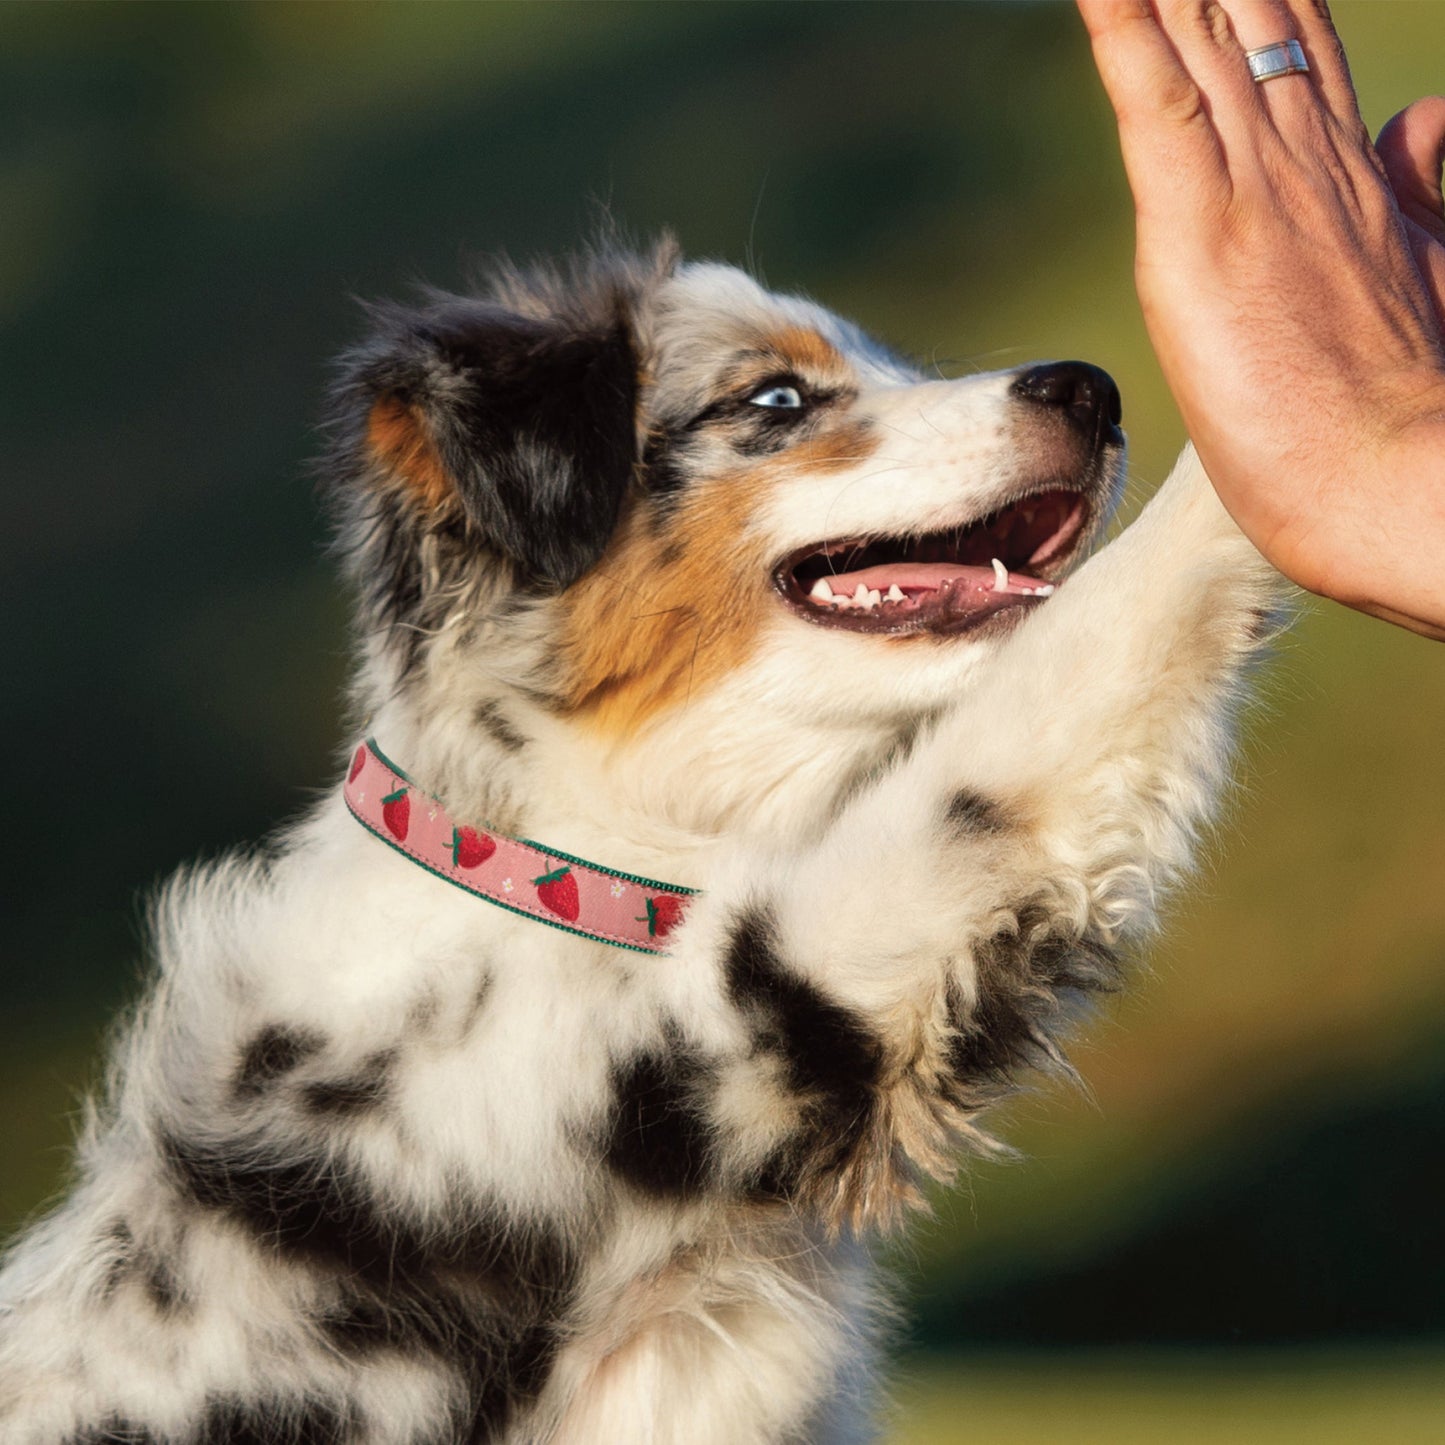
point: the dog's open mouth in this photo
(944, 582)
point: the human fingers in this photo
(1260, 23)
(1412, 149)
(1165, 131)
(1217, 39)
(1329, 68)
(1292, 100)
(1205, 34)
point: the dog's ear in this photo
(522, 429)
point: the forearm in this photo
(1373, 539)
(1399, 572)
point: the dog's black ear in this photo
(524, 429)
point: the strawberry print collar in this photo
(514, 873)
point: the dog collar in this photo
(514, 873)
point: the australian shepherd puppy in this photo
(843, 789)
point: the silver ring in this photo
(1284, 57)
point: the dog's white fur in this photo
(806, 785)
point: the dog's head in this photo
(645, 492)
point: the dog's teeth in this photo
(860, 596)
(874, 597)
(1044, 591)
(1000, 576)
(821, 590)
(895, 594)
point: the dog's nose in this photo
(1085, 394)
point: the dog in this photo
(847, 789)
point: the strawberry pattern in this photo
(553, 888)
(557, 891)
(664, 912)
(470, 849)
(396, 813)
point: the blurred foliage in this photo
(192, 194)
(1088, 1399)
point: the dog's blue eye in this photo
(781, 398)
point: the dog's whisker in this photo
(891, 426)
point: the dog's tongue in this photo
(916, 578)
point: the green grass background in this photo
(1235, 1234)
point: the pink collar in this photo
(552, 887)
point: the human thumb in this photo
(1412, 148)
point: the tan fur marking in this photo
(644, 631)
(396, 439)
(806, 349)
(665, 614)
(829, 451)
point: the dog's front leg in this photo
(898, 976)
(1103, 736)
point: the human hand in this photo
(1292, 279)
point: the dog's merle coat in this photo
(382, 1163)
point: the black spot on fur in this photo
(112, 1431)
(502, 1361)
(495, 723)
(480, 995)
(766, 434)
(231, 1422)
(275, 1422)
(527, 1363)
(121, 1242)
(497, 1350)
(317, 1210)
(832, 1059)
(870, 770)
(525, 410)
(308, 1207)
(827, 1047)
(159, 1281)
(392, 538)
(1032, 980)
(664, 468)
(970, 812)
(531, 419)
(470, 1291)
(271, 1055)
(658, 1137)
(139, 1265)
(357, 1092)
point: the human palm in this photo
(1292, 278)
